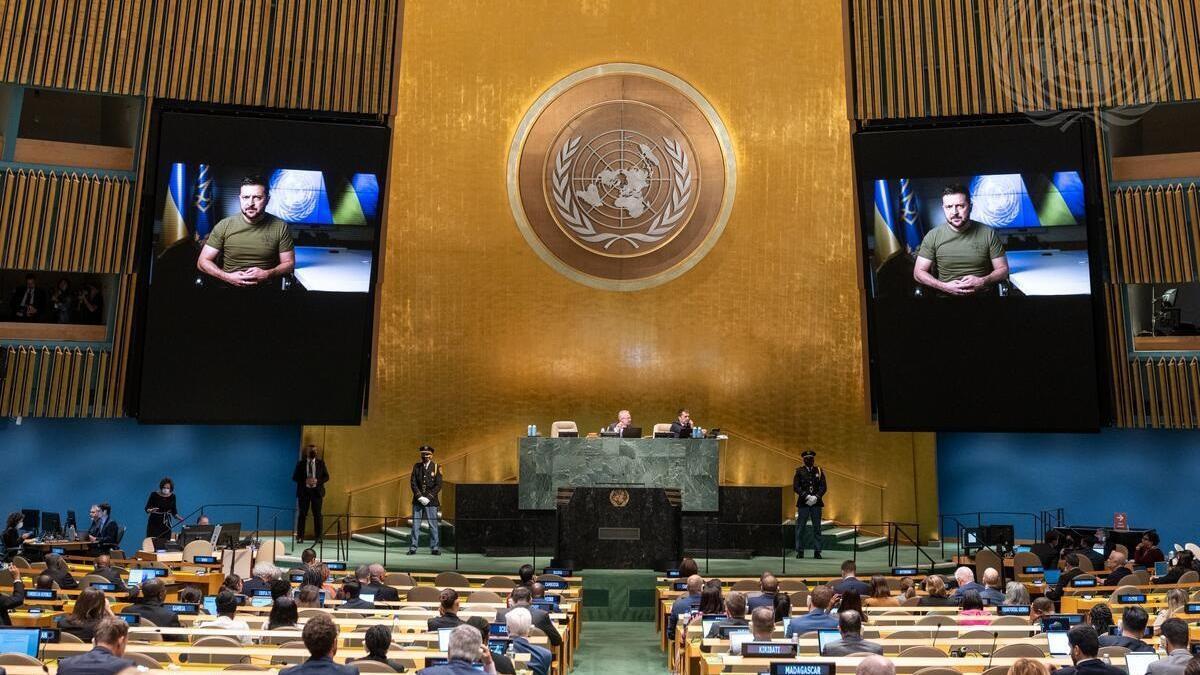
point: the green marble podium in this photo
(547, 464)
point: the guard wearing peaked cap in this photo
(809, 486)
(426, 484)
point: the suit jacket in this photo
(99, 661)
(1064, 582)
(1114, 577)
(504, 665)
(763, 600)
(972, 586)
(681, 431)
(1091, 667)
(539, 618)
(160, 616)
(107, 534)
(687, 603)
(358, 603)
(816, 619)
(39, 303)
(383, 593)
(540, 658)
(426, 483)
(852, 584)
(63, 578)
(1174, 664)
(254, 584)
(851, 644)
(444, 621)
(455, 667)
(13, 601)
(391, 663)
(113, 576)
(320, 666)
(1132, 644)
(300, 475)
(806, 483)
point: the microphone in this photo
(992, 653)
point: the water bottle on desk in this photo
(535, 433)
(529, 430)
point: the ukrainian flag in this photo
(887, 244)
(174, 224)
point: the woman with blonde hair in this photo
(1026, 666)
(1176, 602)
(936, 593)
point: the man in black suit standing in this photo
(310, 476)
(426, 484)
(1085, 646)
(110, 638)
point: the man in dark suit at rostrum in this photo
(310, 477)
(426, 483)
(522, 597)
(809, 486)
(321, 639)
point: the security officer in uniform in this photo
(809, 486)
(426, 483)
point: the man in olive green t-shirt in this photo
(969, 255)
(254, 245)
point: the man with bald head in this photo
(685, 604)
(1116, 568)
(377, 585)
(993, 589)
(875, 665)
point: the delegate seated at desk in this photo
(682, 426)
(969, 255)
(624, 421)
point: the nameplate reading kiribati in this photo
(621, 176)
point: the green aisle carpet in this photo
(619, 648)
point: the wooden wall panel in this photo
(1155, 234)
(60, 221)
(986, 57)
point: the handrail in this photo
(784, 453)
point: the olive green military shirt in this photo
(244, 245)
(957, 254)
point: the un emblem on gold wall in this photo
(621, 176)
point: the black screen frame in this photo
(984, 145)
(156, 170)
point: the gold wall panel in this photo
(477, 337)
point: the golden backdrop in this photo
(477, 337)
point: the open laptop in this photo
(738, 638)
(444, 638)
(1056, 643)
(1051, 576)
(627, 432)
(1138, 662)
(824, 637)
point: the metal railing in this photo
(1041, 522)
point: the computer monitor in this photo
(51, 524)
(1057, 644)
(19, 640)
(737, 639)
(1060, 622)
(210, 604)
(499, 645)
(33, 519)
(498, 629)
(1138, 662)
(1051, 576)
(367, 597)
(708, 621)
(195, 533)
(444, 638)
(230, 536)
(136, 576)
(824, 637)
(262, 601)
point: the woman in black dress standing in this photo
(160, 509)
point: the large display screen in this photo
(259, 259)
(978, 273)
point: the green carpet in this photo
(619, 648)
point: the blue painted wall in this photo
(70, 464)
(1150, 475)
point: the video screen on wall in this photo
(978, 264)
(259, 262)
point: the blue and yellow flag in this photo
(911, 213)
(887, 244)
(174, 223)
(203, 202)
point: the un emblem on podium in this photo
(619, 498)
(621, 176)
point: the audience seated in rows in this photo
(851, 601)
(521, 596)
(768, 584)
(851, 642)
(936, 593)
(504, 664)
(881, 593)
(57, 570)
(308, 597)
(150, 606)
(1085, 647)
(377, 585)
(1184, 562)
(1070, 570)
(818, 616)
(685, 604)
